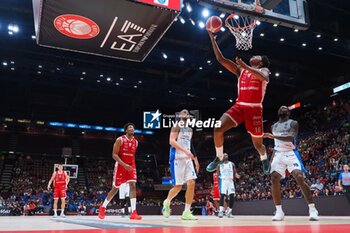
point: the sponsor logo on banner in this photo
(76, 26)
(129, 38)
(5, 211)
(162, 2)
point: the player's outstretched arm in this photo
(172, 141)
(228, 64)
(115, 156)
(263, 73)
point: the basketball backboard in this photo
(288, 13)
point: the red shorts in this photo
(216, 192)
(121, 175)
(252, 116)
(59, 193)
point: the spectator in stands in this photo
(318, 185)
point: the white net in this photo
(242, 28)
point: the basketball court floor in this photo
(157, 224)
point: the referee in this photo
(344, 181)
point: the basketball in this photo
(214, 24)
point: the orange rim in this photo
(227, 24)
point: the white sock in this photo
(279, 208)
(228, 209)
(220, 152)
(311, 206)
(55, 212)
(187, 207)
(133, 204)
(105, 203)
(221, 209)
(62, 212)
(263, 157)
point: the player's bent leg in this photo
(166, 203)
(299, 177)
(260, 147)
(226, 123)
(276, 196)
(187, 214)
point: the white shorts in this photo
(124, 190)
(286, 160)
(182, 170)
(226, 186)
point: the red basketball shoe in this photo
(101, 212)
(135, 216)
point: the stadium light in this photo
(205, 12)
(188, 7)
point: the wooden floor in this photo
(158, 224)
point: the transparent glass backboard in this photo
(289, 13)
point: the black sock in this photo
(222, 200)
(232, 200)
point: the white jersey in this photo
(226, 171)
(184, 139)
(283, 129)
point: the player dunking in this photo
(181, 166)
(227, 172)
(286, 156)
(60, 181)
(124, 151)
(252, 83)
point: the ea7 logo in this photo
(127, 38)
(131, 25)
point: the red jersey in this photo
(251, 91)
(215, 179)
(216, 188)
(128, 149)
(60, 180)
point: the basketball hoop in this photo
(242, 28)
